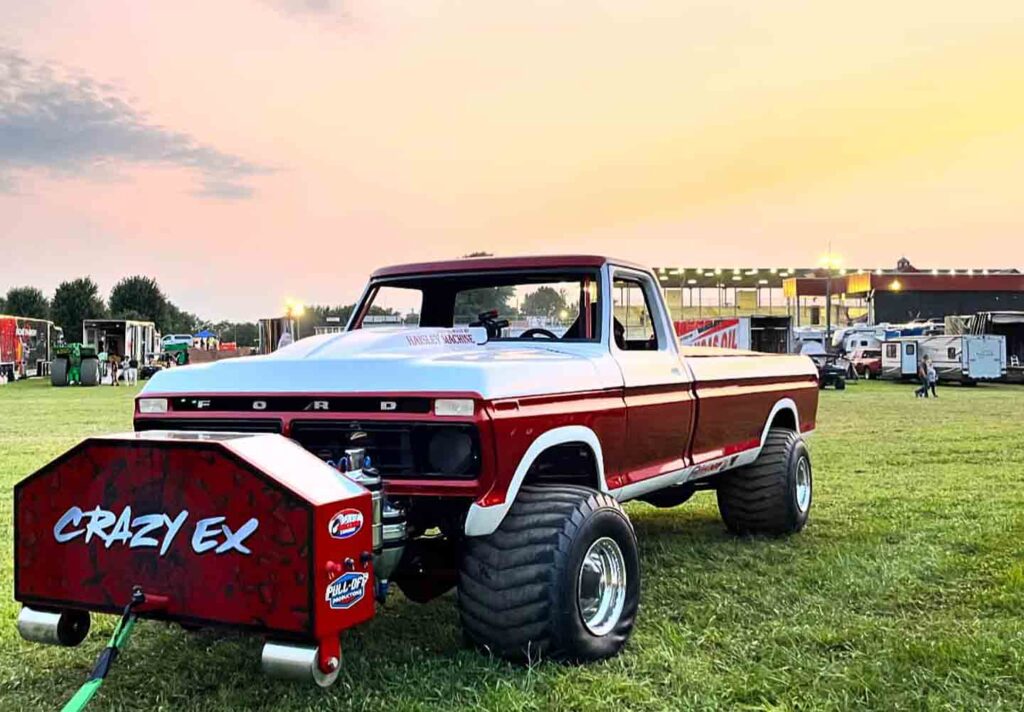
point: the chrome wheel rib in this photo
(601, 588)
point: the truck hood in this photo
(397, 360)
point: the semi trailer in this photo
(26, 346)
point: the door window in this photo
(633, 327)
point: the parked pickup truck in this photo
(509, 419)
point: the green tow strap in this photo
(117, 643)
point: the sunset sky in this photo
(245, 151)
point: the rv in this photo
(846, 340)
(965, 358)
(26, 346)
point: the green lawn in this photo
(906, 591)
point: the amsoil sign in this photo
(721, 333)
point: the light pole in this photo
(294, 311)
(830, 262)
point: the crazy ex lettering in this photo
(150, 531)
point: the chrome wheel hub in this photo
(601, 587)
(803, 484)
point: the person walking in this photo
(922, 377)
(933, 378)
(104, 358)
(114, 363)
(131, 376)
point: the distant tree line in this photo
(140, 298)
(137, 297)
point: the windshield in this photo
(540, 304)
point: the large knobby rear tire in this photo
(560, 578)
(89, 372)
(773, 494)
(59, 372)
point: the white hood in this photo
(394, 360)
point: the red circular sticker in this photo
(346, 523)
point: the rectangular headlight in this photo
(453, 406)
(152, 405)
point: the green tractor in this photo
(75, 364)
(177, 352)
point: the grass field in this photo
(906, 591)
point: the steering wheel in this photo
(530, 333)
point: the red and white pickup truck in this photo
(508, 419)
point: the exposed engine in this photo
(389, 522)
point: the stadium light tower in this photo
(294, 311)
(831, 262)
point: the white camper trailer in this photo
(965, 358)
(848, 339)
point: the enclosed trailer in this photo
(123, 337)
(270, 331)
(1009, 324)
(767, 334)
(966, 358)
(26, 346)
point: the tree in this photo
(178, 322)
(546, 301)
(3, 305)
(73, 302)
(138, 296)
(27, 302)
(471, 303)
(242, 333)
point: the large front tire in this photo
(560, 578)
(773, 494)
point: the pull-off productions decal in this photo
(346, 590)
(151, 530)
(346, 523)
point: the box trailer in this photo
(767, 334)
(1009, 324)
(270, 331)
(123, 337)
(964, 358)
(26, 346)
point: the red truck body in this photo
(459, 421)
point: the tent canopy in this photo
(204, 334)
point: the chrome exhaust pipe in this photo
(296, 662)
(65, 628)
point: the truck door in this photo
(657, 387)
(908, 358)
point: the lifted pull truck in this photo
(486, 449)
